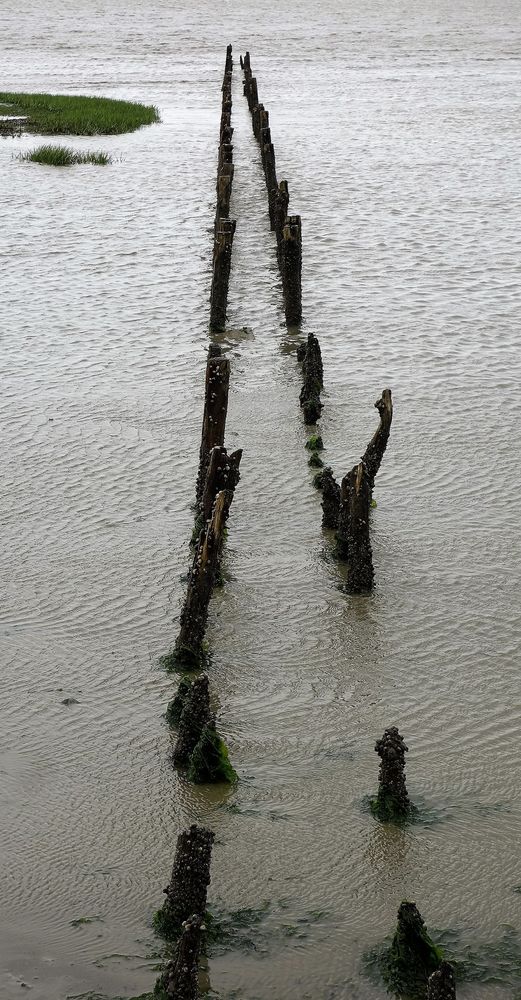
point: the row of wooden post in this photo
(287, 228)
(224, 228)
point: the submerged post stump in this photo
(413, 956)
(291, 269)
(375, 449)
(222, 262)
(217, 385)
(353, 544)
(313, 375)
(442, 985)
(392, 801)
(330, 499)
(210, 763)
(187, 890)
(189, 643)
(194, 716)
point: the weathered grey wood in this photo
(353, 542)
(222, 474)
(374, 452)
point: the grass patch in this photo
(63, 156)
(59, 114)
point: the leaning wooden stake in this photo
(215, 409)
(375, 449)
(353, 543)
(291, 268)
(187, 890)
(442, 985)
(189, 643)
(180, 981)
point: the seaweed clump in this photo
(412, 957)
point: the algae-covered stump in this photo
(413, 956)
(210, 763)
(187, 890)
(442, 985)
(194, 716)
(175, 707)
(353, 543)
(180, 980)
(392, 802)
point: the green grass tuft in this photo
(60, 114)
(63, 156)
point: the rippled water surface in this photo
(398, 129)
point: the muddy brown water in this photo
(398, 129)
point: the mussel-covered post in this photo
(330, 499)
(375, 449)
(392, 801)
(187, 890)
(413, 956)
(194, 716)
(280, 212)
(291, 269)
(180, 980)
(217, 385)
(270, 171)
(222, 474)
(353, 543)
(229, 59)
(222, 262)
(189, 650)
(442, 985)
(313, 381)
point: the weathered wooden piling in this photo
(291, 269)
(210, 763)
(442, 984)
(413, 956)
(187, 890)
(330, 499)
(280, 212)
(189, 650)
(180, 980)
(392, 802)
(229, 59)
(222, 474)
(312, 380)
(353, 544)
(222, 261)
(194, 716)
(217, 384)
(374, 452)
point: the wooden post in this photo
(229, 59)
(392, 801)
(280, 212)
(224, 191)
(291, 268)
(194, 716)
(222, 474)
(187, 890)
(413, 956)
(189, 643)
(313, 373)
(180, 980)
(353, 544)
(330, 499)
(375, 449)
(221, 273)
(217, 385)
(442, 985)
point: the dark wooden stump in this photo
(353, 544)
(280, 212)
(330, 499)
(375, 449)
(224, 192)
(442, 984)
(291, 269)
(180, 980)
(312, 372)
(392, 802)
(229, 59)
(187, 890)
(215, 409)
(222, 474)
(194, 716)
(222, 262)
(210, 763)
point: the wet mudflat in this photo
(398, 133)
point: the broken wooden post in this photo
(187, 890)
(413, 956)
(291, 269)
(330, 499)
(353, 544)
(189, 650)
(375, 449)
(224, 190)
(312, 372)
(175, 707)
(222, 261)
(442, 984)
(392, 802)
(217, 385)
(280, 212)
(229, 59)
(270, 172)
(194, 716)
(222, 474)
(210, 762)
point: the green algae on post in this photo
(63, 156)
(60, 114)
(315, 461)
(412, 957)
(210, 762)
(315, 443)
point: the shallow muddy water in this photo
(398, 129)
